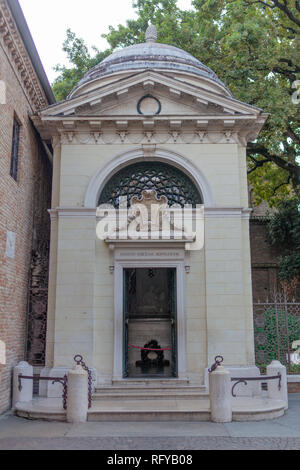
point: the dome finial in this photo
(151, 33)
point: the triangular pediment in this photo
(137, 102)
(121, 98)
(146, 103)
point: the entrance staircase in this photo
(153, 400)
(149, 389)
(149, 400)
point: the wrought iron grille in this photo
(37, 308)
(15, 150)
(276, 327)
(38, 276)
(166, 180)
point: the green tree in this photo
(81, 61)
(253, 46)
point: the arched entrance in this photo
(165, 179)
(148, 284)
(175, 160)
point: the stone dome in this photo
(150, 55)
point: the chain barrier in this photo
(217, 363)
(80, 362)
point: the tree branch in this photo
(283, 7)
(291, 167)
(260, 149)
(258, 163)
(286, 73)
(282, 184)
(265, 4)
(289, 28)
(290, 64)
(292, 135)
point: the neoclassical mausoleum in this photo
(150, 122)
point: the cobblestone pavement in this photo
(279, 434)
(144, 443)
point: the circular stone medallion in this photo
(148, 105)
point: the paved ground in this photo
(281, 433)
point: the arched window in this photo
(165, 179)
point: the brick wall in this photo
(294, 387)
(16, 215)
(264, 259)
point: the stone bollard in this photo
(273, 389)
(77, 404)
(24, 395)
(220, 395)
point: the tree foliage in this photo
(81, 61)
(253, 46)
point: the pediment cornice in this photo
(152, 132)
(190, 115)
(147, 81)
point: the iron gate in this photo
(276, 328)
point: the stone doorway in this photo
(150, 323)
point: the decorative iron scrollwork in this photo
(62, 380)
(165, 179)
(262, 378)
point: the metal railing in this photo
(244, 380)
(62, 380)
(261, 378)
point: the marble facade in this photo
(109, 122)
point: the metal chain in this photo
(80, 362)
(65, 391)
(218, 362)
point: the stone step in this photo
(148, 389)
(124, 395)
(150, 410)
(157, 389)
(183, 410)
(244, 409)
(147, 392)
(155, 382)
(149, 415)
